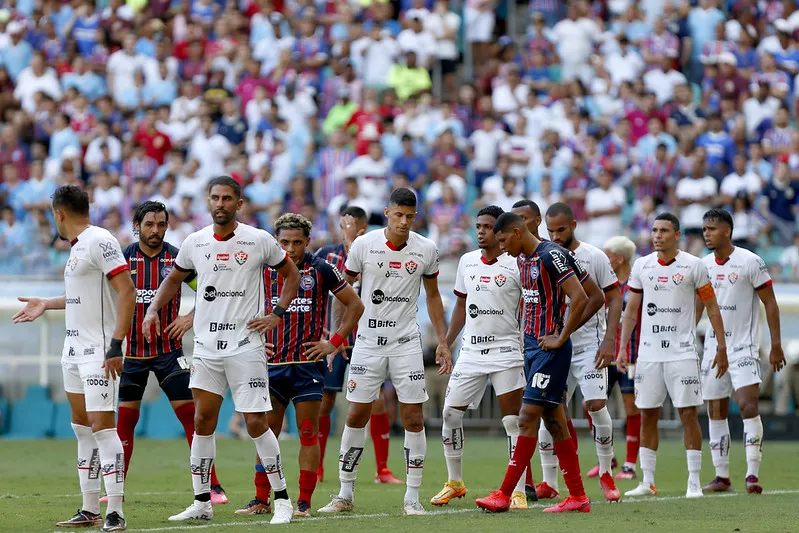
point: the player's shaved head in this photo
(225, 181)
(528, 204)
(561, 224)
(560, 209)
(530, 213)
(507, 222)
(675, 222)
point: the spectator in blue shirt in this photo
(779, 204)
(161, 91)
(17, 56)
(86, 82)
(410, 164)
(62, 136)
(231, 126)
(719, 146)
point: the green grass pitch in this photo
(40, 487)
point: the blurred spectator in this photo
(696, 194)
(603, 206)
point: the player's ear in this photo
(385, 212)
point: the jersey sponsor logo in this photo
(394, 264)
(97, 380)
(411, 266)
(136, 259)
(307, 283)
(404, 340)
(652, 309)
(689, 380)
(662, 279)
(377, 252)
(733, 277)
(110, 251)
(257, 383)
(593, 375)
(382, 341)
(221, 326)
(505, 349)
(479, 339)
(485, 351)
(145, 296)
(358, 370)
(378, 297)
(244, 342)
(416, 375)
(221, 345)
(664, 329)
(202, 244)
(530, 296)
(728, 307)
(222, 257)
(71, 352)
(210, 294)
(500, 280)
(72, 333)
(475, 311)
(540, 381)
(720, 277)
(743, 363)
(374, 323)
(485, 279)
(559, 261)
(639, 378)
(350, 459)
(677, 278)
(73, 301)
(665, 344)
(246, 243)
(241, 257)
(88, 351)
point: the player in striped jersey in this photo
(548, 275)
(620, 251)
(353, 223)
(150, 261)
(297, 366)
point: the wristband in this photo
(336, 340)
(278, 311)
(115, 350)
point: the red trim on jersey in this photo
(766, 284)
(721, 263)
(340, 287)
(636, 291)
(483, 259)
(349, 272)
(431, 276)
(280, 264)
(611, 287)
(459, 294)
(566, 275)
(180, 268)
(396, 248)
(662, 263)
(117, 270)
(226, 237)
(73, 242)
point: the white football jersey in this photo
(736, 282)
(668, 315)
(596, 263)
(230, 287)
(493, 293)
(91, 302)
(390, 282)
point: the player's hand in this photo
(604, 355)
(262, 325)
(314, 351)
(550, 342)
(444, 359)
(720, 363)
(776, 358)
(34, 308)
(113, 360)
(150, 323)
(179, 327)
(332, 357)
(270, 349)
(622, 361)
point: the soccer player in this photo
(297, 366)
(665, 285)
(531, 214)
(151, 259)
(489, 294)
(549, 274)
(739, 278)
(228, 259)
(353, 223)
(99, 298)
(593, 349)
(393, 263)
(621, 251)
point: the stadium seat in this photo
(32, 416)
(62, 421)
(161, 422)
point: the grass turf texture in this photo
(41, 487)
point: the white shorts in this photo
(99, 392)
(479, 25)
(743, 372)
(368, 373)
(245, 374)
(593, 383)
(680, 379)
(468, 382)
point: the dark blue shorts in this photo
(547, 372)
(626, 385)
(171, 370)
(334, 379)
(297, 382)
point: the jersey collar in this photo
(663, 263)
(226, 237)
(486, 261)
(74, 241)
(396, 248)
(720, 263)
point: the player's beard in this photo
(154, 241)
(222, 217)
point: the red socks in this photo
(126, 427)
(324, 432)
(380, 431)
(573, 431)
(633, 437)
(185, 414)
(570, 467)
(262, 486)
(307, 485)
(525, 448)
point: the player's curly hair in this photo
(293, 221)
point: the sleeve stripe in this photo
(339, 287)
(117, 270)
(459, 294)
(349, 272)
(280, 264)
(611, 287)
(635, 290)
(565, 276)
(180, 268)
(431, 276)
(766, 284)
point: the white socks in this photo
(603, 438)
(452, 435)
(88, 468)
(720, 446)
(269, 451)
(549, 461)
(415, 451)
(648, 462)
(753, 440)
(352, 441)
(694, 458)
(203, 452)
(112, 461)
(511, 423)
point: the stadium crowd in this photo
(622, 109)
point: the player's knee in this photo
(412, 419)
(309, 436)
(450, 415)
(749, 408)
(595, 405)
(358, 415)
(688, 415)
(257, 424)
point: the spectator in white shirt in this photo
(122, 66)
(106, 195)
(574, 39)
(210, 149)
(603, 205)
(34, 79)
(443, 24)
(520, 149)
(760, 106)
(294, 105)
(544, 198)
(186, 106)
(696, 194)
(94, 154)
(510, 98)
(416, 39)
(351, 197)
(484, 148)
(740, 182)
(372, 172)
(663, 80)
(624, 65)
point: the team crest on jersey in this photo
(411, 267)
(351, 385)
(307, 283)
(500, 280)
(534, 273)
(733, 277)
(72, 264)
(165, 271)
(677, 278)
(241, 257)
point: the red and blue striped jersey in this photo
(632, 348)
(148, 273)
(306, 316)
(544, 300)
(336, 255)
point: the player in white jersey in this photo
(739, 278)
(488, 287)
(99, 298)
(229, 258)
(667, 283)
(593, 348)
(393, 263)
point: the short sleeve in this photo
(431, 271)
(758, 273)
(580, 272)
(701, 276)
(331, 278)
(274, 255)
(634, 282)
(184, 261)
(460, 284)
(107, 255)
(605, 277)
(354, 263)
(558, 265)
